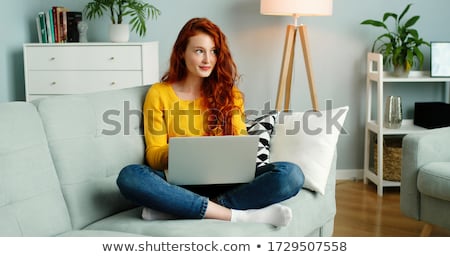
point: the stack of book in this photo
(58, 25)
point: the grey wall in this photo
(338, 47)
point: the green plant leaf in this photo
(414, 33)
(404, 12)
(389, 14)
(412, 21)
(374, 23)
(419, 55)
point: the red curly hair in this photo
(217, 89)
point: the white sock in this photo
(150, 214)
(275, 214)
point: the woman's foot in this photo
(276, 214)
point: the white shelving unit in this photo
(75, 68)
(376, 77)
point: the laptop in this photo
(206, 160)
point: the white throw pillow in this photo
(308, 139)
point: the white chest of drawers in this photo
(58, 69)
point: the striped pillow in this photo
(263, 127)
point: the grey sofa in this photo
(425, 188)
(59, 159)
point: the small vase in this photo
(393, 116)
(119, 33)
(401, 71)
(82, 31)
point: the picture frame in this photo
(440, 59)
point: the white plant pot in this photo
(119, 33)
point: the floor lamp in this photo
(295, 8)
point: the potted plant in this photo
(399, 46)
(138, 10)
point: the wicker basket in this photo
(392, 159)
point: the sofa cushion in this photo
(91, 138)
(97, 233)
(309, 139)
(31, 201)
(434, 180)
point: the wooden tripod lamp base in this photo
(296, 9)
(284, 86)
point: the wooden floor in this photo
(362, 213)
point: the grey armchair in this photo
(425, 179)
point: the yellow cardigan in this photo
(166, 115)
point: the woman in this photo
(198, 97)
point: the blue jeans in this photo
(273, 183)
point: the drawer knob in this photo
(113, 83)
(53, 83)
(52, 58)
(111, 58)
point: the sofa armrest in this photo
(418, 150)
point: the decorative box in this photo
(432, 114)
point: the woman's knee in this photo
(127, 175)
(291, 176)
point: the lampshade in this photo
(297, 7)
